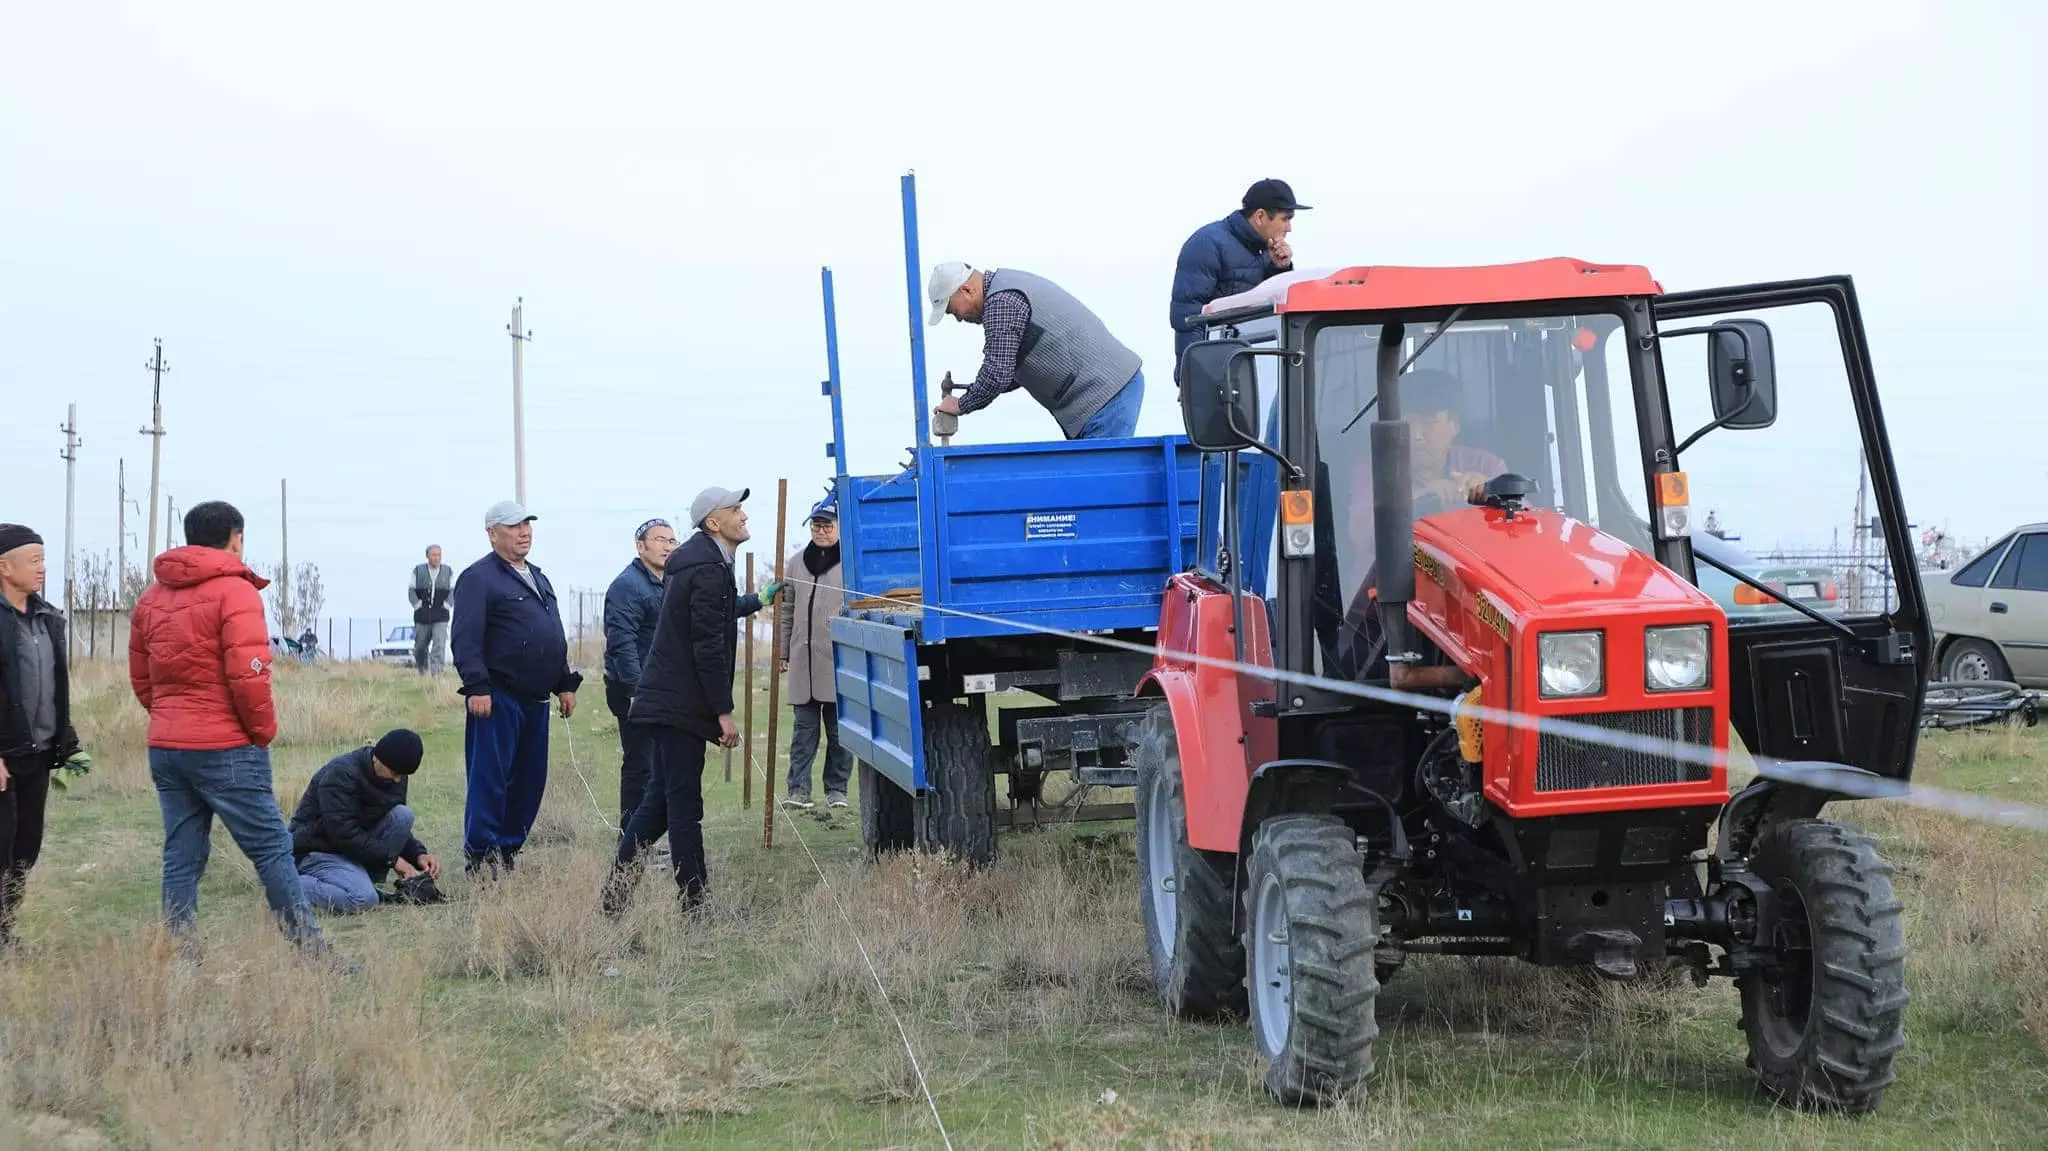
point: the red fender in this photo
(1220, 740)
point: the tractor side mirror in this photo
(1219, 396)
(1742, 374)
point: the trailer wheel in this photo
(958, 812)
(1825, 1014)
(1311, 926)
(885, 813)
(1197, 957)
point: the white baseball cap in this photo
(947, 278)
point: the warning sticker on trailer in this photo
(1050, 525)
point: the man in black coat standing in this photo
(36, 736)
(684, 697)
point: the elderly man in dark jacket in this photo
(1232, 255)
(632, 604)
(685, 693)
(35, 713)
(352, 826)
(512, 654)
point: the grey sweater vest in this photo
(1068, 362)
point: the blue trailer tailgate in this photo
(881, 718)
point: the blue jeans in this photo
(1118, 418)
(337, 883)
(507, 755)
(192, 787)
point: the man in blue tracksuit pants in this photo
(511, 652)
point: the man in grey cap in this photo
(684, 697)
(1037, 337)
(512, 654)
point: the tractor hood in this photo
(1545, 562)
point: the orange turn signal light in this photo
(1297, 508)
(1673, 491)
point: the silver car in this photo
(1991, 614)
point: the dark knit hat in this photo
(400, 750)
(16, 536)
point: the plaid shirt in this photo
(1004, 316)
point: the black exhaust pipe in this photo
(1393, 508)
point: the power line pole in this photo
(520, 337)
(170, 521)
(284, 573)
(155, 432)
(121, 537)
(70, 454)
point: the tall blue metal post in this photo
(917, 309)
(837, 448)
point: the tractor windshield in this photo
(1529, 395)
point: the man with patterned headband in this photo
(632, 604)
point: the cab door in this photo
(1813, 486)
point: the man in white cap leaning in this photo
(512, 654)
(684, 697)
(1037, 337)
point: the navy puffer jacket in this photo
(1221, 259)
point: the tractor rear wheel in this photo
(1311, 926)
(1825, 1016)
(958, 811)
(885, 813)
(1197, 957)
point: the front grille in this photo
(1567, 763)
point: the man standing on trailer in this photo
(632, 606)
(1232, 255)
(512, 654)
(433, 585)
(685, 694)
(1039, 338)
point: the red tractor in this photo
(1462, 696)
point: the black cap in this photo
(1272, 195)
(16, 536)
(400, 750)
(1426, 391)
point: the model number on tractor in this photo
(1049, 525)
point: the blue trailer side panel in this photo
(881, 716)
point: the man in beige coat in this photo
(816, 591)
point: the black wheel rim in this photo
(1788, 986)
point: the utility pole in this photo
(1861, 534)
(70, 454)
(284, 572)
(155, 432)
(121, 537)
(170, 521)
(520, 337)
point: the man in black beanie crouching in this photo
(352, 826)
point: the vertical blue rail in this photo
(837, 448)
(917, 309)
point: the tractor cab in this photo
(1448, 557)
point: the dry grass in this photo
(522, 1017)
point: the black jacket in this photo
(14, 705)
(686, 680)
(343, 801)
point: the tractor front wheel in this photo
(1825, 1013)
(1311, 926)
(1197, 958)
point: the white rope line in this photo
(569, 732)
(846, 916)
(1849, 781)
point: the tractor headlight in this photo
(1676, 658)
(1571, 663)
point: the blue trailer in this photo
(979, 570)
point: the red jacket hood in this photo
(190, 566)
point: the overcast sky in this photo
(327, 213)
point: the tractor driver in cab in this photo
(1444, 472)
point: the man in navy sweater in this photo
(1234, 254)
(512, 654)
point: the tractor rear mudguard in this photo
(1792, 790)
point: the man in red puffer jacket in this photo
(199, 660)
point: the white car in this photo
(396, 648)
(1990, 615)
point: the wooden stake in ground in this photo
(775, 666)
(747, 715)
